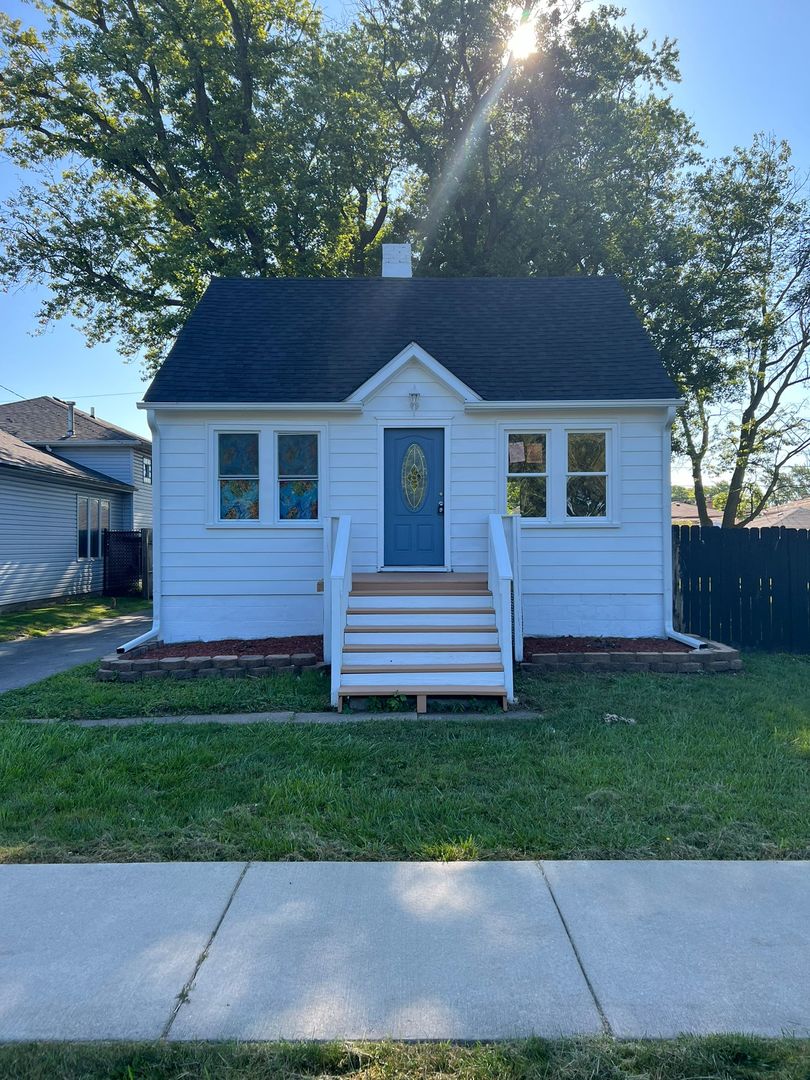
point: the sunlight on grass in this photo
(453, 850)
(37, 622)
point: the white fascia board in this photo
(423, 357)
(573, 403)
(254, 406)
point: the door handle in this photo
(441, 503)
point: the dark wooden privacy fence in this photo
(744, 587)
(128, 562)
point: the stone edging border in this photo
(713, 658)
(132, 667)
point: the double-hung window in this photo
(93, 517)
(238, 475)
(586, 487)
(297, 469)
(526, 475)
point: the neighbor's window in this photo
(147, 470)
(238, 475)
(526, 475)
(297, 476)
(93, 517)
(83, 547)
(586, 480)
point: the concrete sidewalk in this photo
(460, 951)
(28, 661)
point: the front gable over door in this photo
(413, 356)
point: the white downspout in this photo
(666, 515)
(156, 531)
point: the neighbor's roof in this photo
(684, 513)
(790, 515)
(16, 454)
(509, 339)
(42, 420)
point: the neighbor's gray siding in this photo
(142, 496)
(38, 539)
(114, 461)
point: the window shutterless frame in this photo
(527, 473)
(587, 479)
(268, 476)
(557, 472)
(92, 519)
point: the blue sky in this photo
(743, 66)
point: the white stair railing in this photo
(499, 576)
(340, 584)
(513, 523)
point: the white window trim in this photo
(268, 477)
(557, 472)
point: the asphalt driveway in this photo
(28, 661)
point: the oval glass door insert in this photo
(414, 477)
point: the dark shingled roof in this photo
(16, 454)
(301, 339)
(42, 420)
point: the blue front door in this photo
(414, 497)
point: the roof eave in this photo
(52, 474)
(573, 403)
(253, 406)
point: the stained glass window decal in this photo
(239, 500)
(298, 455)
(414, 477)
(239, 454)
(298, 500)
(297, 476)
(238, 475)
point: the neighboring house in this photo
(790, 515)
(65, 476)
(343, 457)
(58, 427)
(687, 514)
(52, 514)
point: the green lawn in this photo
(36, 622)
(714, 767)
(715, 1058)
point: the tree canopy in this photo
(166, 141)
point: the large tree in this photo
(169, 140)
(733, 324)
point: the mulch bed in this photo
(601, 645)
(238, 647)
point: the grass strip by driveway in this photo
(713, 1058)
(37, 622)
(714, 767)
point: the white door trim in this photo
(443, 423)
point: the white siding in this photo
(251, 582)
(38, 527)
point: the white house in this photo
(423, 470)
